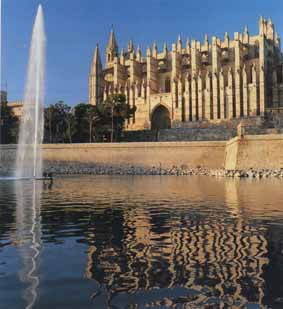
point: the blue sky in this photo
(74, 26)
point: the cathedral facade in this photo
(210, 82)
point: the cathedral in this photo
(193, 83)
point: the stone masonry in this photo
(196, 82)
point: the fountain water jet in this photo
(29, 158)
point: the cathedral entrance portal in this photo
(160, 118)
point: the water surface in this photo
(141, 242)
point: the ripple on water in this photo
(145, 241)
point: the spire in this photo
(188, 42)
(226, 39)
(261, 19)
(122, 57)
(148, 52)
(261, 26)
(95, 86)
(96, 62)
(130, 46)
(206, 43)
(112, 45)
(206, 38)
(165, 49)
(246, 34)
(179, 44)
(138, 53)
(112, 49)
(277, 39)
(154, 45)
(154, 49)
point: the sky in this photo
(73, 27)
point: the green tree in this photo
(71, 126)
(111, 116)
(9, 125)
(58, 123)
(85, 118)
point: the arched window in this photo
(167, 85)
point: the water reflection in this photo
(170, 242)
(28, 235)
(201, 241)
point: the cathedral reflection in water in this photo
(180, 242)
(225, 257)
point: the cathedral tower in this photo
(95, 78)
(111, 50)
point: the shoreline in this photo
(159, 171)
(70, 170)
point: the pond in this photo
(141, 241)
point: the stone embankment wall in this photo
(192, 154)
(260, 152)
(141, 155)
(255, 151)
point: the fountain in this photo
(29, 158)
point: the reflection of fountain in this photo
(28, 196)
(29, 161)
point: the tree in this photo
(9, 125)
(112, 114)
(71, 126)
(57, 123)
(82, 123)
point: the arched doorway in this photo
(160, 118)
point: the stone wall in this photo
(255, 151)
(181, 134)
(252, 151)
(190, 154)
(219, 130)
(139, 154)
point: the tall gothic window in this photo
(167, 85)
